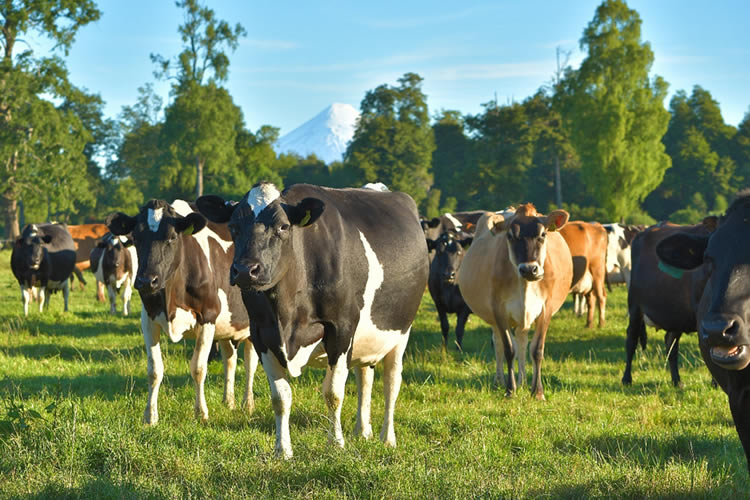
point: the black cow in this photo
(723, 317)
(449, 252)
(333, 276)
(457, 221)
(183, 280)
(656, 298)
(114, 262)
(42, 261)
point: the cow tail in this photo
(643, 338)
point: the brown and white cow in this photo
(114, 262)
(516, 274)
(85, 239)
(183, 281)
(587, 242)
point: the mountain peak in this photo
(326, 134)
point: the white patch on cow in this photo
(313, 354)
(183, 321)
(224, 328)
(526, 304)
(154, 218)
(261, 196)
(201, 237)
(585, 284)
(281, 400)
(371, 344)
(181, 207)
(456, 223)
(376, 186)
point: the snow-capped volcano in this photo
(326, 135)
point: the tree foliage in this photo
(614, 111)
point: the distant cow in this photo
(42, 261)
(517, 273)
(449, 252)
(331, 277)
(724, 307)
(619, 262)
(456, 221)
(114, 262)
(661, 300)
(85, 238)
(183, 280)
(587, 242)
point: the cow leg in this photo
(229, 357)
(66, 294)
(739, 404)
(112, 298)
(392, 367)
(636, 330)
(444, 327)
(461, 318)
(204, 339)
(504, 348)
(522, 342)
(79, 275)
(43, 298)
(100, 291)
(281, 400)
(26, 298)
(537, 355)
(333, 393)
(251, 364)
(126, 294)
(672, 344)
(364, 376)
(601, 299)
(151, 332)
(591, 308)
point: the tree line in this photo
(596, 140)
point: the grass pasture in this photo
(73, 391)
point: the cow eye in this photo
(284, 228)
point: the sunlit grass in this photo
(73, 390)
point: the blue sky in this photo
(299, 57)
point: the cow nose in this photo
(254, 271)
(449, 275)
(529, 271)
(148, 283)
(726, 328)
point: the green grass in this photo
(73, 390)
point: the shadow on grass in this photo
(107, 386)
(97, 488)
(106, 325)
(71, 353)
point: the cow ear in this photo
(711, 222)
(555, 220)
(215, 208)
(430, 244)
(120, 223)
(190, 224)
(47, 238)
(305, 212)
(434, 222)
(497, 223)
(466, 242)
(682, 250)
(128, 243)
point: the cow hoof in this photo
(539, 396)
(627, 380)
(460, 349)
(248, 406)
(509, 393)
(678, 384)
(230, 404)
(150, 420)
(388, 441)
(284, 453)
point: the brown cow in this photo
(516, 273)
(656, 298)
(587, 242)
(85, 238)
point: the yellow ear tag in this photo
(305, 219)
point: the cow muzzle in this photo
(246, 275)
(531, 271)
(147, 284)
(724, 336)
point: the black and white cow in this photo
(183, 281)
(114, 262)
(329, 276)
(42, 261)
(449, 252)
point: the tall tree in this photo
(197, 73)
(614, 111)
(393, 141)
(40, 145)
(740, 149)
(450, 158)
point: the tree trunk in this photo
(10, 217)
(198, 176)
(558, 187)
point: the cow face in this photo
(157, 232)
(115, 251)
(31, 247)
(725, 305)
(526, 237)
(263, 227)
(449, 252)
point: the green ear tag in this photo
(305, 219)
(671, 270)
(189, 230)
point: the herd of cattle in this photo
(334, 277)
